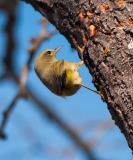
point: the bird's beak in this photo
(57, 49)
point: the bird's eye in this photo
(48, 52)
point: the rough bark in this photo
(106, 29)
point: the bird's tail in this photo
(91, 89)
(98, 92)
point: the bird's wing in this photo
(58, 69)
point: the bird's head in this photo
(48, 55)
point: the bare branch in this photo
(6, 115)
(10, 8)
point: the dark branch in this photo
(6, 115)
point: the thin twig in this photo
(7, 113)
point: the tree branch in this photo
(6, 115)
(11, 19)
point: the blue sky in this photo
(31, 135)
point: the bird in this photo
(61, 77)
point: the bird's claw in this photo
(81, 50)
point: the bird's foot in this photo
(81, 51)
(101, 93)
(78, 65)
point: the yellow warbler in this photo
(60, 77)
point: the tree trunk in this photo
(105, 28)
